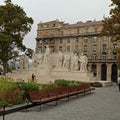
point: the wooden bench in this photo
(49, 95)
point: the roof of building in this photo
(53, 21)
(83, 24)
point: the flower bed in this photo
(12, 93)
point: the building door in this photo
(114, 73)
(103, 72)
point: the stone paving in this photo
(103, 104)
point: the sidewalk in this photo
(103, 104)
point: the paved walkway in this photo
(104, 104)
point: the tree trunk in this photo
(4, 68)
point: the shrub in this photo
(96, 84)
(27, 87)
(74, 83)
(62, 83)
(48, 86)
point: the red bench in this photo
(49, 95)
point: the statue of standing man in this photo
(46, 55)
(74, 62)
(83, 63)
(59, 59)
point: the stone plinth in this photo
(44, 69)
(60, 73)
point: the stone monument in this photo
(51, 66)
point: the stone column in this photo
(98, 71)
(108, 72)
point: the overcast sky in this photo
(69, 11)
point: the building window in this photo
(40, 41)
(95, 29)
(104, 38)
(76, 48)
(46, 41)
(85, 48)
(114, 57)
(94, 39)
(77, 40)
(62, 32)
(68, 48)
(53, 25)
(47, 25)
(94, 47)
(86, 29)
(94, 57)
(68, 40)
(104, 57)
(85, 39)
(52, 48)
(104, 47)
(78, 31)
(114, 46)
(60, 41)
(60, 48)
(94, 69)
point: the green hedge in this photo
(27, 87)
(63, 83)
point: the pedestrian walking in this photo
(33, 77)
(119, 82)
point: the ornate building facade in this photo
(81, 38)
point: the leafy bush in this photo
(27, 87)
(48, 86)
(96, 84)
(62, 83)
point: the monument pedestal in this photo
(44, 69)
(60, 73)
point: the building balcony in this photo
(103, 51)
(102, 61)
(69, 35)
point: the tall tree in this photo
(111, 25)
(14, 25)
